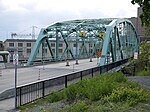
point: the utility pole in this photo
(33, 32)
(20, 35)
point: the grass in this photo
(103, 93)
(79, 106)
(143, 73)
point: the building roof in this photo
(20, 40)
(4, 52)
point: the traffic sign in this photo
(15, 59)
(102, 34)
(82, 34)
(136, 55)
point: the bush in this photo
(94, 88)
(70, 92)
(118, 77)
(55, 96)
(132, 85)
(127, 94)
(143, 73)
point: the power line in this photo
(23, 35)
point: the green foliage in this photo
(103, 93)
(132, 85)
(143, 73)
(70, 92)
(42, 109)
(142, 63)
(95, 88)
(118, 77)
(76, 107)
(109, 107)
(144, 51)
(55, 96)
(129, 95)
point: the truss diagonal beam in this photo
(84, 38)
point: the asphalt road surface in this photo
(42, 72)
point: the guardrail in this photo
(28, 93)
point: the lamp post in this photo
(15, 62)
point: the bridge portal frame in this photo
(116, 38)
(121, 41)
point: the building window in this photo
(28, 51)
(20, 44)
(52, 44)
(20, 53)
(45, 51)
(60, 45)
(60, 50)
(38, 53)
(1, 45)
(28, 44)
(45, 44)
(53, 50)
(90, 45)
(74, 45)
(11, 44)
(91, 50)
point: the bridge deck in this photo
(31, 74)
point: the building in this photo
(1, 46)
(138, 25)
(4, 55)
(141, 30)
(25, 46)
(22, 46)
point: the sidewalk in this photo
(7, 105)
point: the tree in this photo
(144, 51)
(145, 16)
(140, 64)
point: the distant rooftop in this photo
(20, 40)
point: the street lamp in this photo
(15, 62)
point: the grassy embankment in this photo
(103, 93)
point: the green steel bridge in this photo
(111, 39)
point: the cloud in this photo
(2, 6)
(17, 15)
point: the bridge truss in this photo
(113, 39)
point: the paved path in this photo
(143, 80)
(31, 74)
(7, 105)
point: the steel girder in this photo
(119, 40)
(82, 35)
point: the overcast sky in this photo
(18, 16)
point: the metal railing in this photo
(28, 93)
